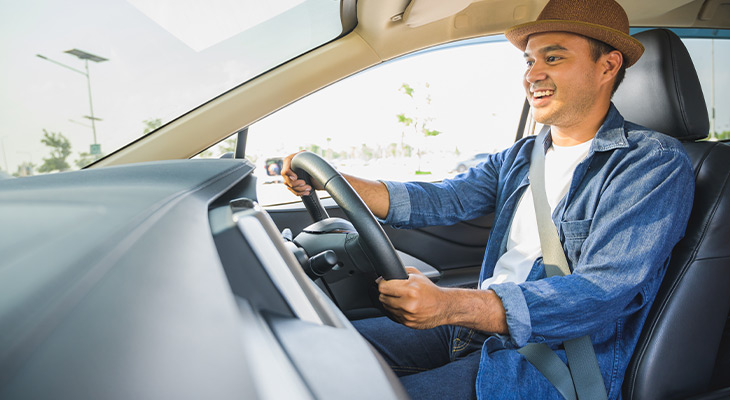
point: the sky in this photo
(475, 103)
(154, 71)
(162, 64)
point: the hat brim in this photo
(631, 48)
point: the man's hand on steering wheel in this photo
(410, 296)
(296, 185)
(373, 193)
(415, 302)
(380, 250)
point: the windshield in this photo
(83, 78)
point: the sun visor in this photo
(422, 12)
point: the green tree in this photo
(316, 149)
(87, 158)
(418, 118)
(60, 150)
(366, 152)
(207, 153)
(151, 124)
(228, 145)
(392, 150)
(725, 135)
(219, 149)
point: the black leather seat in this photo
(677, 354)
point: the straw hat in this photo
(603, 20)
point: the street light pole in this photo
(91, 103)
(95, 148)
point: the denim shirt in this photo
(626, 208)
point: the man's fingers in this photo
(286, 164)
(396, 283)
(286, 170)
(413, 270)
(393, 287)
(386, 290)
(300, 186)
(298, 192)
(393, 314)
(390, 309)
(297, 186)
(386, 301)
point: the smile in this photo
(542, 93)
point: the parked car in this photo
(149, 274)
(471, 162)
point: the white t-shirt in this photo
(523, 241)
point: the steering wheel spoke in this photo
(376, 243)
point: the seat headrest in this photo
(662, 91)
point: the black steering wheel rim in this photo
(385, 259)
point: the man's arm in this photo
(374, 193)
(419, 303)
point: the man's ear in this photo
(611, 63)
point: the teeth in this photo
(541, 93)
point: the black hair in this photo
(599, 48)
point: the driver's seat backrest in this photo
(676, 353)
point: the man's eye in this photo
(529, 63)
(552, 58)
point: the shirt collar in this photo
(611, 134)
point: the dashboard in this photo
(162, 280)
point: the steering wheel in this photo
(384, 257)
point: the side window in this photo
(711, 58)
(426, 117)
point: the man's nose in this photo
(535, 73)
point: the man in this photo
(620, 196)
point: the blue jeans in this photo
(438, 363)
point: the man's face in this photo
(561, 80)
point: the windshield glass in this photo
(83, 78)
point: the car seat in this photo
(682, 350)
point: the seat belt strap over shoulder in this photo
(582, 378)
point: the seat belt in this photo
(582, 378)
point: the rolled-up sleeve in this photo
(400, 203)
(518, 315)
